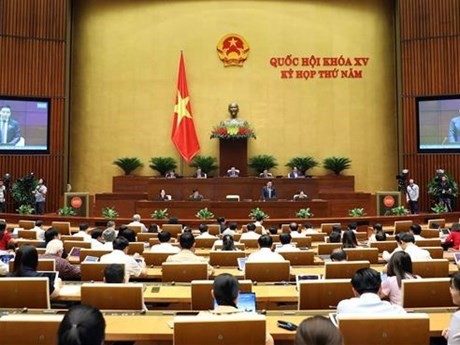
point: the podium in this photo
(233, 153)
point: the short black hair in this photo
(173, 220)
(129, 234)
(164, 236)
(259, 218)
(265, 241)
(2, 226)
(39, 223)
(352, 225)
(381, 236)
(95, 233)
(416, 229)
(308, 225)
(232, 226)
(338, 254)
(114, 273)
(366, 280)
(120, 243)
(407, 237)
(335, 237)
(293, 226)
(84, 226)
(186, 240)
(285, 238)
(226, 288)
(203, 228)
(50, 234)
(336, 228)
(377, 226)
(220, 219)
(273, 230)
(251, 227)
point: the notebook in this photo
(241, 263)
(246, 302)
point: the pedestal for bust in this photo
(233, 153)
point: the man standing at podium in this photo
(269, 192)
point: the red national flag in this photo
(183, 131)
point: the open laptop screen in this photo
(246, 302)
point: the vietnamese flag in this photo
(183, 131)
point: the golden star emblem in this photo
(233, 42)
(181, 108)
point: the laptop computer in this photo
(242, 263)
(75, 252)
(300, 277)
(91, 259)
(5, 258)
(444, 232)
(457, 257)
(246, 302)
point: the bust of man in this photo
(233, 109)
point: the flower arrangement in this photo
(257, 212)
(304, 213)
(204, 214)
(160, 214)
(356, 212)
(233, 131)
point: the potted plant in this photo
(262, 162)
(67, 211)
(337, 164)
(128, 164)
(304, 213)
(399, 211)
(302, 163)
(160, 214)
(207, 164)
(204, 214)
(439, 208)
(356, 212)
(109, 212)
(257, 212)
(25, 209)
(163, 164)
(22, 191)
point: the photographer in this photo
(444, 191)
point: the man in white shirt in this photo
(286, 245)
(119, 255)
(38, 228)
(204, 232)
(97, 242)
(408, 245)
(186, 254)
(366, 284)
(137, 222)
(265, 254)
(164, 246)
(412, 195)
(251, 233)
(231, 230)
(109, 236)
(259, 222)
(294, 227)
(416, 230)
(309, 229)
(84, 232)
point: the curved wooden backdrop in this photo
(430, 65)
(33, 63)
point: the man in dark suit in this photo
(295, 173)
(233, 172)
(10, 133)
(269, 192)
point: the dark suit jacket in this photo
(13, 134)
(265, 194)
(292, 175)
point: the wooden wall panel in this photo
(33, 43)
(430, 65)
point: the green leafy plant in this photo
(128, 164)
(160, 214)
(204, 213)
(257, 212)
(163, 164)
(67, 211)
(22, 190)
(302, 163)
(262, 162)
(25, 209)
(207, 164)
(356, 212)
(399, 211)
(109, 212)
(304, 213)
(337, 164)
(439, 208)
(435, 191)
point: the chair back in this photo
(173, 229)
(360, 254)
(71, 238)
(68, 245)
(389, 246)
(436, 223)
(402, 226)
(327, 248)
(302, 242)
(146, 236)
(24, 329)
(429, 242)
(214, 229)
(232, 329)
(135, 247)
(92, 271)
(26, 224)
(22, 292)
(429, 233)
(204, 242)
(153, 241)
(343, 269)
(267, 271)
(258, 230)
(113, 296)
(435, 252)
(136, 228)
(250, 242)
(84, 252)
(29, 242)
(426, 293)
(225, 258)
(319, 237)
(323, 294)
(299, 257)
(27, 234)
(407, 329)
(62, 227)
(43, 265)
(327, 227)
(239, 246)
(435, 268)
(184, 272)
(201, 293)
(155, 258)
